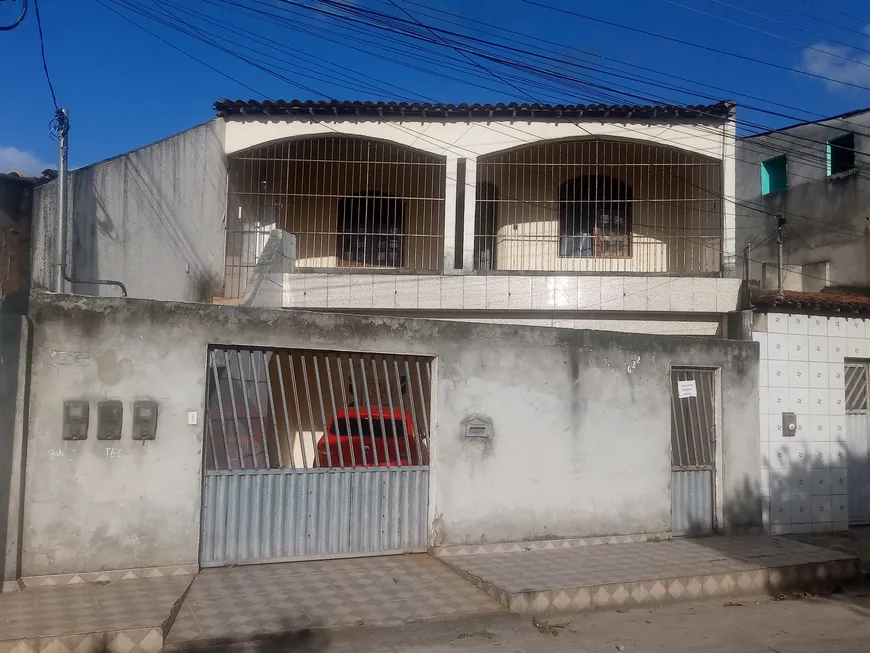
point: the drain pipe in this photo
(62, 117)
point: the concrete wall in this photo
(600, 435)
(265, 289)
(152, 219)
(828, 219)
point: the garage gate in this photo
(313, 454)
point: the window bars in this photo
(598, 206)
(351, 202)
(303, 409)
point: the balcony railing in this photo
(598, 206)
(350, 202)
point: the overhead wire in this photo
(42, 51)
(760, 208)
(700, 46)
(702, 244)
(812, 48)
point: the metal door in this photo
(693, 450)
(312, 454)
(857, 443)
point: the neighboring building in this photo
(814, 174)
(813, 408)
(16, 200)
(604, 217)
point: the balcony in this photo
(598, 206)
(353, 204)
(576, 207)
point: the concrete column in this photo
(468, 226)
(450, 214)
(729, 192)
(13, 384)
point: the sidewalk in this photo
(249, 603)
(128, 616)
(572, 579)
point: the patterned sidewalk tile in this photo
(323, 594)
(565, 580)
(51, 613)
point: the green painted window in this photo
(774, 175)
(841, 154)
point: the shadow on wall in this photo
(805, 494)
(143, 219)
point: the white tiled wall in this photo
(511, 292)
(804, 479)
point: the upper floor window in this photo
(841, 154)
(595, 217)
(371, 231)
(774, 175)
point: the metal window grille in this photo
(303, 409)
(693, 420)
(856, 388)
(351, 202)
(598, 206)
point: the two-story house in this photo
(813, 175)
(603, 217)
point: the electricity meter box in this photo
(76, 416)
(144, 420)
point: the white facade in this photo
(805, 478)
(669, 280)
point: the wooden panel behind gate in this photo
(693, 450)
(314, 454)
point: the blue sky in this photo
(125, 89)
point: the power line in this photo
(756, 208)
(42, 51)
(700, 46)
(777, 36)
(799, 13)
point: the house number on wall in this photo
(634, 363)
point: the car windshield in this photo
(362, 427)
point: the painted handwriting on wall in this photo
(111, 452)
(633, 364)
(56, 453)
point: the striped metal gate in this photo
(314, 454)
(693, 450)
(858, 443)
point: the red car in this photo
(369, 437)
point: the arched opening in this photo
(599, 206)
(350, 202)
(595, 217)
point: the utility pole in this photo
(747, 262)
(780, 238)
(62, 117)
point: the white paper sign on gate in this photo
(687, 389)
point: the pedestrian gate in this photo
(693, 450)
(314, 454)
(857, 391)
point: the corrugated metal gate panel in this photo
(692, 502)
(693, 450)
(269, 516)
(314, 454)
